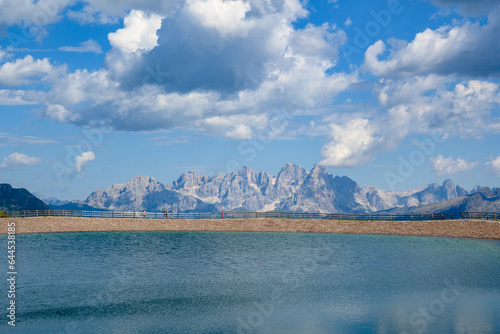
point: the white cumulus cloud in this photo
(450, 166)
(59, 113)
(351, 144)
(440, 104)
(82, 159)
(22, 71)
(468, 49)
(227, 17)
(138, 33)
(18, 159)
(207, 75)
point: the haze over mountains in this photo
(292, 189)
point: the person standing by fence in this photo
(171, 213)
(143, 213)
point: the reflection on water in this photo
(219, 282)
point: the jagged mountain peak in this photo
(187, 180)
(291, 167)
(448, 183)
(142, 179)
(289, 171)
(318, 169)
(244, 171)
(292, 189)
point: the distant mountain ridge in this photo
(19, 199)
(143, 192)
(292, 189)
(485, 200)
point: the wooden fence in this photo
(234, 215)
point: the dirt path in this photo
(481, 229)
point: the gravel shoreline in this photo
(481, 229)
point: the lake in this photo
(224, 282)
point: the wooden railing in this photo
(240, 215)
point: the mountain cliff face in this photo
(19, 199)
(143, 192)
(292, 189)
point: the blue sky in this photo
(393, 94)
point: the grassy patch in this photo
(4, 215)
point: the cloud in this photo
(240, 131)
(31, 12)
(227, 17)
(440, 104)
(448, 166)
(495, 165)
(110, 9)
(23, 71)
(351, 144)
(59, 113)
(87, 46)
(37, 14)
(3, 54)
(7, 139)
(82, 159)
(195, 54)
(18, 160)
(469, 49)
(203, 71)
(139, 32)
(430, 106)
(468, 7)
(90, 15)
(165, 140)
(10, 97)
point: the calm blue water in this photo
(199, 282)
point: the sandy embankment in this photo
(482, 229)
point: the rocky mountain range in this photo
(292, 189)
(483, 200)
